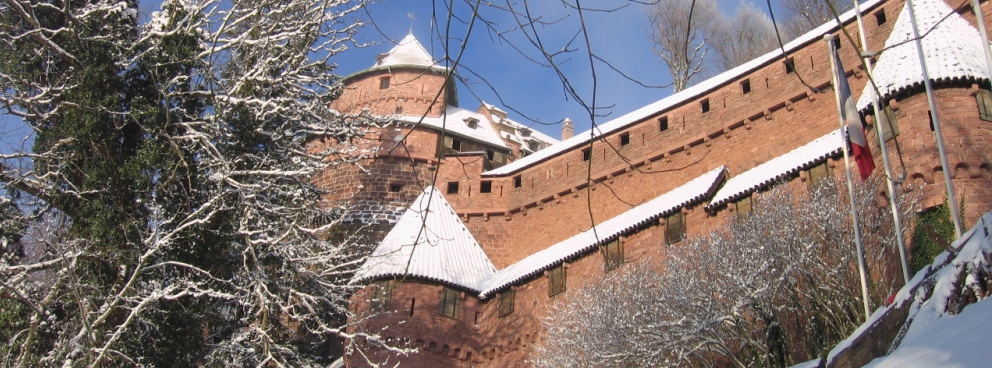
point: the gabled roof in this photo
(408, 51)
(676, 99)
(518, 127)
(778, 168)
(691, 192)
(453, 121)
(429, 242)
(952, 48)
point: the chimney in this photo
(567, 129)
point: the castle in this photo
(481, 222)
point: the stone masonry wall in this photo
(410, 91)
(782, 111)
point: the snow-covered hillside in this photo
(947, 323)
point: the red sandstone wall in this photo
(967, 140)
(413, 90)
(740, 131)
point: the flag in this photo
(849, 114)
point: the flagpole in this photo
(829, 38)
(879, 120)
(951, 202)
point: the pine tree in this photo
(172, 160)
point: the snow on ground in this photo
(810, 364)
(937, 338)
(949, 341)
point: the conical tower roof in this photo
(429, 242)
(951, 46)
(408, 51)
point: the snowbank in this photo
(947, 319)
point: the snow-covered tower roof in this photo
(951, 46)
(408, 51)
(429, 242)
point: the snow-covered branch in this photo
(167, 188)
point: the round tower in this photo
(404, 81)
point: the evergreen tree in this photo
(176, 156)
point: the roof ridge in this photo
(687, 193)
(674, 99)
(408, 51)
(430, 242)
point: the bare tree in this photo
(771, 289)
(682, 31)
(745, 35)
(804, 15)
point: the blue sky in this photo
(528, 90)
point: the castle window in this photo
(790, 65)
(586, 154)
(399, 110)
(517, 181)
(486, 187)
(675, 227)
(984, 98)
(395, 187)
(506, 303)
(612, 255)
(663, 123)
(890, 125)
(744, 206)
(837, 43)
(380, 296)
(449, 302)
(880, 17)
(624, 139)
(818, 175)
(472, 122)
(384, 83)
(556, 280)
(705, 105)
(746, 86)
(452, 144)
(490, 154)
(452, 187)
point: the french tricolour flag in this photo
(849, 113)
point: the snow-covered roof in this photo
(688, 193)
(429, 242)
(615, 125)
(953, 50)
(778, 168)
(408, 51)
(453, 121)
(518, 127)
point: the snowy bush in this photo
(771, 289)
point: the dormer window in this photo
(472, 122)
